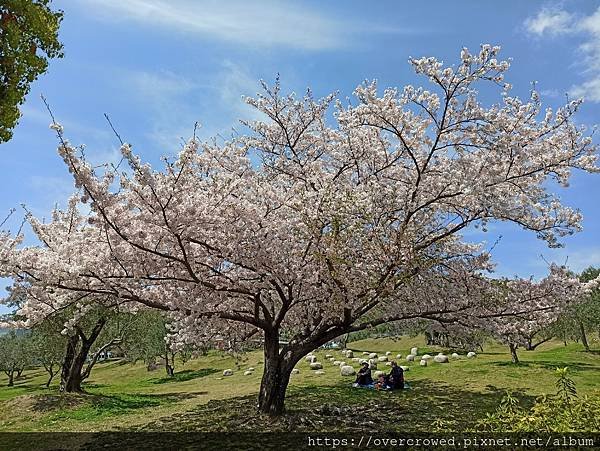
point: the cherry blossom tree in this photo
(315, 225)
(527, 307)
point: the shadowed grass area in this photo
(340, 408)
(445, 396)
(186, 375)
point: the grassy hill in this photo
(122, 396)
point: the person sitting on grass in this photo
(382, 383)
(363, 378)
(395, 379)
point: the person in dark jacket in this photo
(396, 377)
(364, 375)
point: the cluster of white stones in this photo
(347, 370)
(373, 360)
(248, 372)
(311, 358)
(440, 358)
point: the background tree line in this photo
(100, 334)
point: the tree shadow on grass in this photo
(88, 385)
(187, 375)
(550, 365)
(84, 405)
(341, 408)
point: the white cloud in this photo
(158, 85)
(575, 259)
(590, 89)
(552, 21)
(236, 82)
(166, 98)
(39, 116)
(578, 261)
(592, 23)
(50, 191)
(173, 103)
(269, 23)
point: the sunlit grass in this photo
(125, 396)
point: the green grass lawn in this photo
(122, 396)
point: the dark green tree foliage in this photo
(15, 354)
(587, 313)
(48, 347)
(147, 342)
(146, 339)
(28, 38)
(579, 321)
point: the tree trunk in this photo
(20, 371)
(583, 337)
(68, 362)
(72, 372)
(429, 338)
(52, 374)
(74, 377)
(276, 377)
(446, 340)
(533, 347)
(11, 378)
(344, 341)
(170, 369)
(529, 345)
(513, 353)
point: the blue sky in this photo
(157, 66)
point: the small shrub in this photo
(561, 412)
